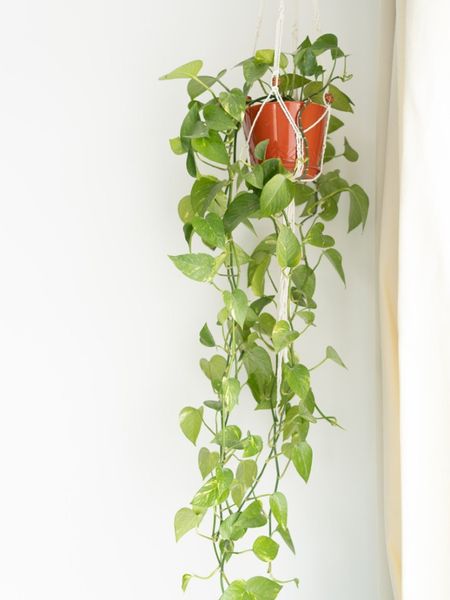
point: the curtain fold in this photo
(414, 267)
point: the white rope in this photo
(295, 39)
(283, 290)
(274, 91)
(317, 15)
(259, 21)
(278, 42)
(324, 115)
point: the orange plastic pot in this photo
(272, 125)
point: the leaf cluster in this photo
(251, 351)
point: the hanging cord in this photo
(275, 92)
(317, 16)
(259, 21)
(283, 293)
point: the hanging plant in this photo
(260, 325)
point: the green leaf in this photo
(283, 336)
(210, 229)
(331, 354)
(243, 206)
(267, 57)
(177, 146)
(252, 516)
(191, 422)
(271, 167)
(253, 70)
(214, 368)
(207, 495)
(224, 479)
(203, 192)
(185, 210)
(341, 101)
(237, 492)
(332, 183)
(276, 195)
(260, 149)
(206, 337)
(188, 232)
(185, 581)
(240, 255)
(297, 421)
(199, 267)
(258, 278)
(253, 445)
(359, 207)
(288, 248)
(306, 62)
(316, 237)
(304, 279)
(292, 81)
(188, 125)
(263, 588)
(246, 472)
(334, 124)
(237, 303)
(234, 103)
(298, 415)
(229, 530)
(298, 380)
(212, 148)
(349, 153)
(257, 361)
(185, 520)
(198, 86)
(303, 193)
(265, 548)
(261, 303)
(313, 90)
(230, 389)
(325, 42)
(308, 316)
(279, 508)
(286, 536)
(266, 323)
(236, 591)
(207, 461)
(191, 165)
(216, 118)
(199, 130)
(301, 456)
(330, 152)
(213, 404)
(190, 69)
(335, 258)
(255, 178)
(229, 437)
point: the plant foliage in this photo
(247, 343)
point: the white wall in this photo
(98, 332)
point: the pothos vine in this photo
(256, 350)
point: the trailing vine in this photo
(242, 472)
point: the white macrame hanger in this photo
(317, 20)
(259, 21)
(283, 290)
(275, 92)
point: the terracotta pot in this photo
(273, 125)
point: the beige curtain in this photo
(414, 258)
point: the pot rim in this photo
(287, 102)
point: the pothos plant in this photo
(242, 471)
